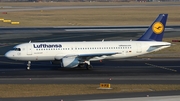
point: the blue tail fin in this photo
(156, 31)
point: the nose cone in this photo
(9, 55)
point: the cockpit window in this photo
(17, 49)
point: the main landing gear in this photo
(88, 67)
(85, 65)
(28, 65)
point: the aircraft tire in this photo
(28, 68)
(88, 67)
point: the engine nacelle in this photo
(69, 62)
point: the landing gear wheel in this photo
(28, 65)
(88, 67)
(28, 68)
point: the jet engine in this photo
(69, 62)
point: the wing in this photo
(86, 57)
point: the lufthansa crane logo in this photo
(158, 27)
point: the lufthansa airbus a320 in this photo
(80, 54)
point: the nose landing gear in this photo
(28, 65)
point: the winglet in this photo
(156, 31)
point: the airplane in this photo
(80, 54)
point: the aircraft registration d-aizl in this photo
(80, 54)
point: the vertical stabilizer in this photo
(156, 31)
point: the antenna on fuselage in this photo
(102, 40)
(30, 41)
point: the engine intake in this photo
(69, 62)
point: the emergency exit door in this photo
(29, 49)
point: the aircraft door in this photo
(139, 48)
(29, 49)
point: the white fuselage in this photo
(49, 51)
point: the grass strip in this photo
(92, 17)
(36, 90)
(54, 4)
